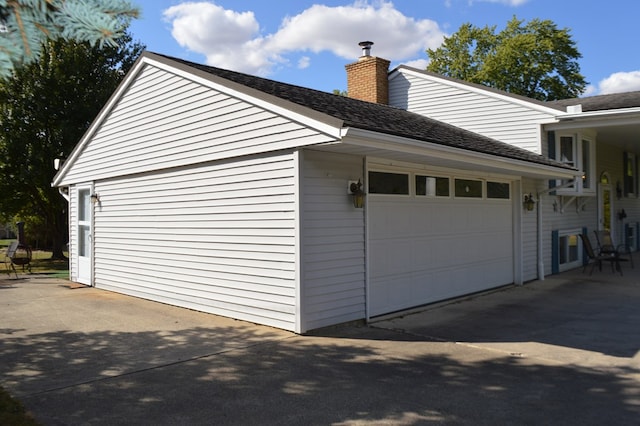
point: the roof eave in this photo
(507, 165)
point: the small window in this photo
(498, 190)
(432, 186)
(388, 183)
(567, 152)
(468, 188)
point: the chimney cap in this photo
(366, 47)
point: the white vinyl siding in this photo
(494, 116)
(218, 238)
(163, 120)
(333, 249)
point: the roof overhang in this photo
(373, 144)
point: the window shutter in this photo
(551, 151)
(625, 177)
(555, 252)
(585, 256)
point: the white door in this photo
(422, 251)
(83, 232)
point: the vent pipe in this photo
(366, 47)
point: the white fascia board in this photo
(321, 122)
(370, 139)
(484, 92)
(630, 115)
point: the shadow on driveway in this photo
(91, 357)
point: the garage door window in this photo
(388, 183)
(499, 190)
(432, 186)
(467, 188)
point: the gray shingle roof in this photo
(603, 102)
(376, 117)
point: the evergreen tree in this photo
(26, 24)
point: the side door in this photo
(84, 235)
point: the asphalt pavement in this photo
(562, 351)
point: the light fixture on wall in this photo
(355, 188)
(529, 203)
(95, 198)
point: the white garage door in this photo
(425, 249)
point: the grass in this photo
(41, 264)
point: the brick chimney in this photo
(367, 79)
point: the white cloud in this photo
(231, 39)
(620, 82)
(304, 62)
(420, 64)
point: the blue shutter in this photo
(551, 152)
(585, 256)
(626, 235)
(555, 252)
(625, 177)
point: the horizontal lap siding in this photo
(218, 238)
(333, 241)
(164, 120)
(491, 116)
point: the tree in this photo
(45, 108)
(535, 59)
(26, 24)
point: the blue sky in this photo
(308, 42)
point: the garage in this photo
(434, 235)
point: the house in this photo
(232, 194)
(598, 135)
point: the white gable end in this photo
(162, 120)
(500, 117)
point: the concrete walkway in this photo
(560, 351)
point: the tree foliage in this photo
(535, 59)
(26, 24)
(45, 108)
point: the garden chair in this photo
(607, 246)
(17, 254)
(597, 259)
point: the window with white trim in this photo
(569, 249)
(578, 151)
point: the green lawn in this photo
(41, 263)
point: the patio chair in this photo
(597, 259)
(17, 254)
(606, 246)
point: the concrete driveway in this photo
(560, 351)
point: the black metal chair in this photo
(606, 246)
(598, 258)
(18, 254)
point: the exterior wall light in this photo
(529, 203)
(95, 198)
(355, 188)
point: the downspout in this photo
(61, 190)
(539, 224)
